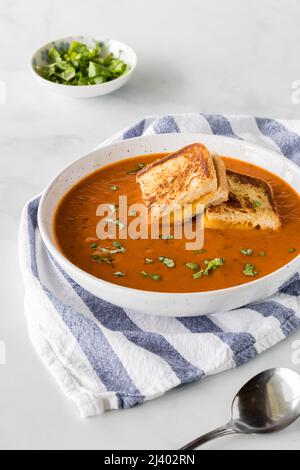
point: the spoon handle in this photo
(221, 432)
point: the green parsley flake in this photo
(139, 167)
(102, 259)
(154, 277)
(118, 249)
(170, 263)
(119, 274)
(212, 265)
(250, 270)
(94, 246)
(166, 237)
(193, 266)
(198, 275)
(247, 252)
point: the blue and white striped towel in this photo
(106, 358)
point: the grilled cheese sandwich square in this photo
(191, 176)
(250, 205)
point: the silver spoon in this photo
(268, 403)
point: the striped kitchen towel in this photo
(105, 358)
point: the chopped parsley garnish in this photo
(79, 65)
(102, 259)
(250, 270)
(118, 249)
(170, 263)
(193, 266)
(119, 246)
(256, 204)
(149, 261)
(292, 250)
(247, 252)
(94, 246)
(166, 237)
(119, 274)
(139, 167)
(198, 275)
(199, 252)
(114, 188)
(211, 265)
(117, 222)
(154, 277)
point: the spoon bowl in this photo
(268, 403)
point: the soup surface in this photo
(75, 225)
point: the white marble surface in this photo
(199, 55)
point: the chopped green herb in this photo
(262, 253)
(212, 265)
(139, 167)
(198, 275)
(247, 252)
(117, 222)
(114, 188)
(149, 261)
(94, 246)
(154, 277)
(166, 237)
(170, 263)
(193, 266)
(256, 204)
(199, 252)
(119, 246)
(118, 249)
(292, 250)
(119, 274)
(79, 65)
(250, 270)
(102, 259)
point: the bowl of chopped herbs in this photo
(83, 67)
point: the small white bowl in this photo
(40, 58)
(157, 303)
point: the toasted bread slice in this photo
(222, 193)
(250, 205)
(190, 176)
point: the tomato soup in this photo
(165, 265)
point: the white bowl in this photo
(155, 303)
(128, 55)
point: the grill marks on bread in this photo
(190, 176)
(250, 205)
(196, 177)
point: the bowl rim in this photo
(50, 245)
(84, 87)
